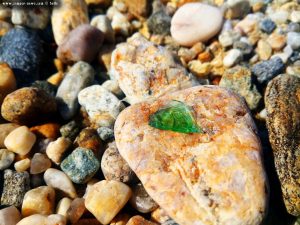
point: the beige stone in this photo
(199, 69)
(57, 148)
(212, 177)
(5, 129)
(39, 200)
(20, 140)
(76, 210)
(7, 81)
(22, 165)
(62, 206)
(39, 163)
(120, 219)
(277, 41)
(264, 50)
(159, 215)
(39, 219)
(9, 216)
(138, 220)
(106, 198)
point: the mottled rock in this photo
(267, 25)
(9, 216)
(105, 133)
(67, 17)
(6, 158)
(5, 129)
(80, 76)
(39, 219)
(264, 50)
(237, 9)
(16, 184)
(60, 181)
(39, 200)
(36, 18)
(212, 178)
(28, 105)
(277, 41)
(81, 44)
(159, 23)
(7, 81)
(228, 37)
(102, 23)
(293, 40)
(232, 57)
(141, 201)
(139, 220)
(76, 210)
(245, 47)
(203, 25)
(240, 80)
(57, 148)
(146, 71)
(46, 130)
(266, 70)
(39, 163)
(139, 8)
(80, 165)
(114, 167)
(20, 140)
(106, 198)
(49, 88)
(102, 106)
(22, 165)
(21, 49)
(283, 113)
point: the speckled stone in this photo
(139, 220)
(70, 130)
(283, 121)
(6, 158)
(159, 23)
(16, 184)
(80, 76)
(105, 133)
(80, 165)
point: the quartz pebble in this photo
(22, 165)
(113, 87)
(81, 44)
(264, 50)
(62, 206)
(39, 200)
(80, 76)
(39, 163)
(9, 216)
(76, 210)
(106, 198)
(68, 16)
(5, 129)
(7, 81)
(114, 167)
(232, 57)
(139, 220)
(203, 25)
(16, 184)
(102, 106)
(293, 40)
(6, 158)
(141, 201)
(57, 148)
(60, 181)
(80, 165)
(39, 219)
(295, 16)
(36, 18)
(102, 23)
(20, 140)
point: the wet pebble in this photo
(56, 149)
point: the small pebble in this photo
(7, 81)
(279, 17)
(46, 131)
(16, 184)
(277, 41)
(113, 87)
(20, 140)
(232, 57)
(295, 16)
(76, 210)
(56, 149)
(267, 26)
(139, 8)
(22, 165)
(120, 24)
(39, 163)
(62, 206)
(293, 40)
(237, 9)
(9, 216)
(39, 219)
(203, 25)
(79, 76)
(159, 23)
(120, 219)
(39, 200)
(81, 44)
(264, 50)
(105, 133)
(70, 130)
(141, 201)
(114, 167)
(6, 158)
(5, 129)
(245, 47)
(266, 70)
(139, 220)
(80, 165)
(60, 181)
(49, 88)
(199, 69)
(102, 23)
(106, 198)
(227, 38)
(293, 27)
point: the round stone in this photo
(194, 22)
(39, 163)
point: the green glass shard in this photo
(176, 117)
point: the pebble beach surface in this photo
(149, 112)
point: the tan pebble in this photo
(277, 41)
(98, 2)
(20, 140)
(5, 129)
(60, 181)
(58, 64)
(106, 198)
(39, 219)
(199, 69)
(57, 148)
(7, 81)
(246, 25)
(56, 78)
(120, 219)
(159, 215)
(113, 87)
(76, 210)
(104, 55)
(39, 200)
(48, 130)
(138, 220)
(62, 206)
(22, 165)
(39, 163)
(264, 50)
(205, 56)
(9, 216)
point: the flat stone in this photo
(68, 16)
(16, 184)
(193, 177)
(9, 216)
(106, 198)
(146, 71)
(240, 80)
(102, 106)
(39, 219)
(80, 165)
(6, 158)
(188, 28)
(283, 108)
(80, 76)
(60, 181)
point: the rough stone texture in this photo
(9, 216)
(80, 76)
(16, 184)
(146, 71)
(159, 23)
(105, 133)
(68, 16)
(239, 80)
(28, 105)
(283, 121)
(209, 178)
(70, 130)
(138, 7)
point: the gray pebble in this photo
(159, 23)
(6, 158)
(70, 130)
(293, 39)
(105, 133)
